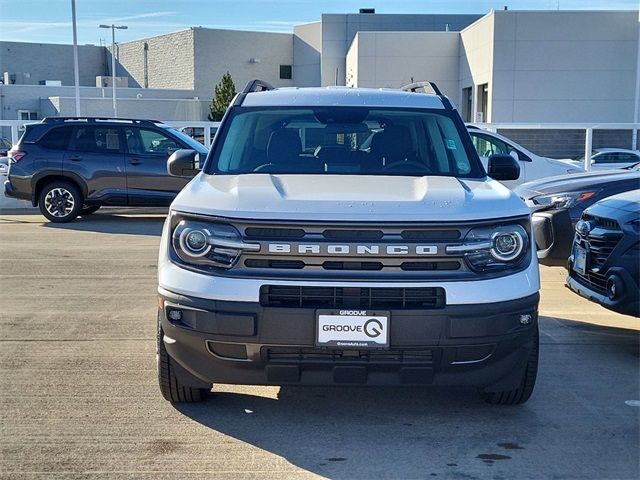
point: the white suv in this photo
(532, 166)
(297, 257)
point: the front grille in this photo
(297, 356)
(599, 243)
(352, 297)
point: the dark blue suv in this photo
(73, 166)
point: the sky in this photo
(49, 21)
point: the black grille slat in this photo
(429, 266)
(366, 298)
(287, 355)
(274, 233)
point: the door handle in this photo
(135, 161)
(75, 158)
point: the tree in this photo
(224, 93)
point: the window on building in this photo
(96, 139)
(286, 72)
(27, 115)
(467, 104)
(57, 138)
(482, 114)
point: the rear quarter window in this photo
(56, 138)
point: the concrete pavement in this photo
(79, 397)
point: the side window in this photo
(606, 158)
(487, 146)
(57, 138)
(628, 158)
(96, 139)
(143, 140)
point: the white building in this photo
(506, 66)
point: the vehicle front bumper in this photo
(485, 345)
(553, 233)
(627, 301)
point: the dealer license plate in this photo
(580, 260)
(352, 329)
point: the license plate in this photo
(580, 260)
(352, 329)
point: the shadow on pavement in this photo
(350, 432)
(117, 222)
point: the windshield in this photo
(343, 140)
(194, 144)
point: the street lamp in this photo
(76, 70)
(113, 61)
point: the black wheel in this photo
(522, 393)
(173, 386)
(60, 201)
(89, 210)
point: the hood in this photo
(348, 198)
(627, 201)
(574, 182)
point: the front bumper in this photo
(484, 345)
(553, 233)
(627, 298)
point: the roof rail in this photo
(99, 119)
(252, 86)
(416, 87)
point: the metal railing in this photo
(16, 127)
(587, 127)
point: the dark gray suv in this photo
(73, 166)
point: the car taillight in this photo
(16, 155)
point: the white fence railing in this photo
(587, 127)
(16, 125)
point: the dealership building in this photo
(505, 66)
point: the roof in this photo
(341, 96)
(616, 150)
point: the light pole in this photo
(113, 61)
(76, 71)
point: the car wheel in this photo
(89, 210)
(522, 393)
(60, 201)
(173, 386)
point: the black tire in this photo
(60, 201)
(89, 210)
(521, 394)
(172, 385)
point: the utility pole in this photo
(113, 62)
(76, 70)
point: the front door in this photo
(148, 182)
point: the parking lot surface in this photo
(79, 397)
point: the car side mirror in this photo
(503, 166)
(182, 163)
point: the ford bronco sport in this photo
(342, 236)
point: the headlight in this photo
(494, 248)
(562, 200)
(208, 244)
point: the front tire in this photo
(173, 386)
(522, 393)
(60, 201)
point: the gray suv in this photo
(73, 166)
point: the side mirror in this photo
(182, 163)
(503, 167)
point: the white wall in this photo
(564, 66)
(219, 51)
(476, 59)
(392, 59)
(307, 45)
(339, 30)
